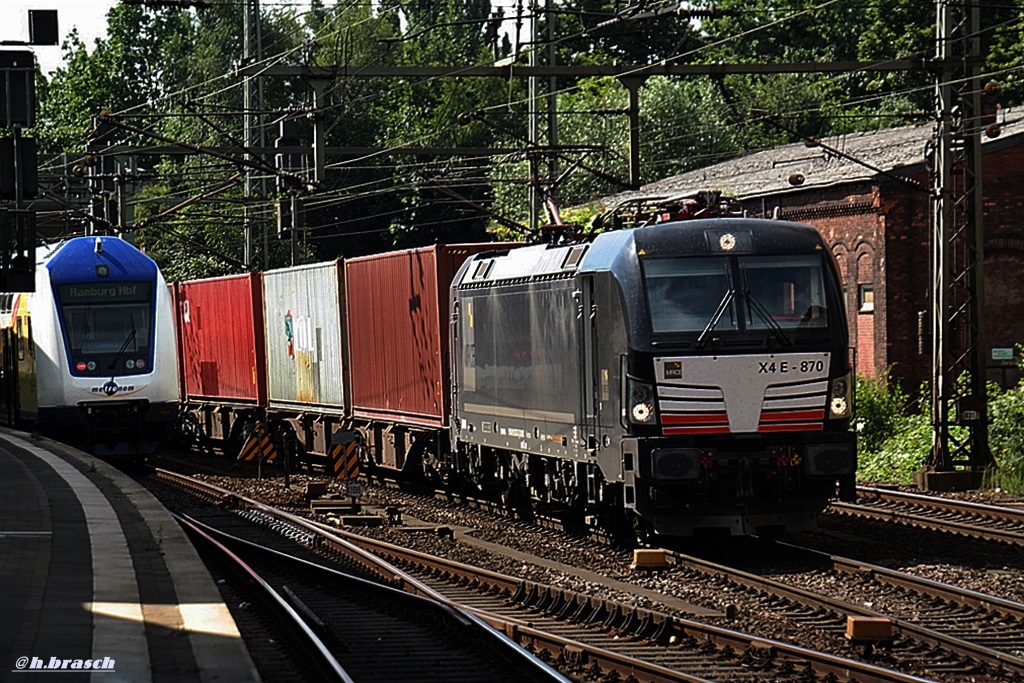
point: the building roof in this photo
(896, 151)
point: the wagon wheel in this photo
(191, 432)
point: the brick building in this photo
(876, 214)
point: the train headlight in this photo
(838, 407)
(839, 398)
(639, 404)
(642, 412)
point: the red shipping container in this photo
(397, 325)
(221, 339)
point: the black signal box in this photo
(42, 27)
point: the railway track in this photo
(361, 630)
(289, 647)
(987, 620)
(950, 631)
(974, 520)
(586, 636)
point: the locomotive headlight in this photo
(838, 407)
(839, 403)
(639, 402)
(642, 412)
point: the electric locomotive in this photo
(89, 358)
(682, 376)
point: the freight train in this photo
(89, 357)
(678, 377)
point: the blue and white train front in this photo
(105, 352)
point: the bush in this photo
(892, 441)
(895, 436)
(1006, 439)
(877, 409)
(904, 452)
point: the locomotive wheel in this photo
(642, 530)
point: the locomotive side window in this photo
(790, 289)
(107, 327)
(685, 293)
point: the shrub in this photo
(901, 454)
(895, 434)
(877, 409)
(1006, 439)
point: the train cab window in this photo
(787, 291)
(684, 294)
(107, 327)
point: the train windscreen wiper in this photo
(755, 305)
(124, 346)
(723, 305)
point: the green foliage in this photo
(893, 440)
(900, 455)
(1006, 436)
(895, 434)
(878, 408)
(174, 73)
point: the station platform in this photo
(98, 582)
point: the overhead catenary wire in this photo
(352, 163)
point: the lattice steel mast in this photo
(958, 400)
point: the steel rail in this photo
(531, 665)
(328, 662)
(965, 528)
(919, 584)
(995, 512)
(513, 631)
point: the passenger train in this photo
(678, 377)
(89, 357)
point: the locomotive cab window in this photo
(785, 291)
(685, 294)
(107, 327)
(739, 295)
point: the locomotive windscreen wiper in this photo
(702, 340)
(755, 305)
